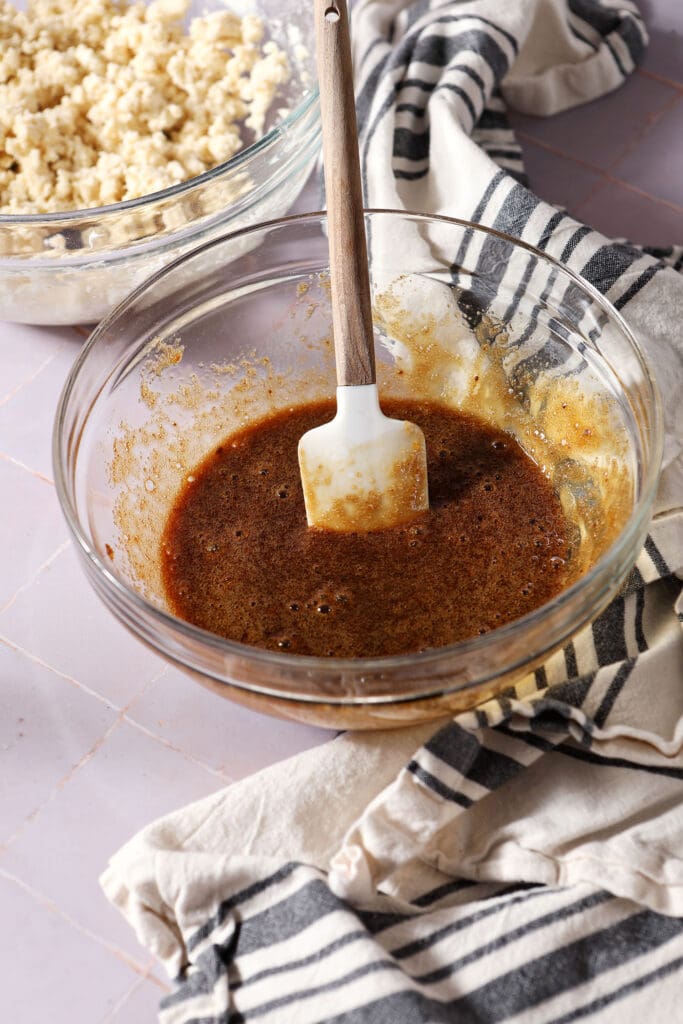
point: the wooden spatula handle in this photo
(351, 306)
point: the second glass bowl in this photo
(73, 267)
(241, 326)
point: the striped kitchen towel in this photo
(524, 861)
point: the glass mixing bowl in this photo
(241, 327)
(67, 268)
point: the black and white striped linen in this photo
(480, 953)
(523, 863)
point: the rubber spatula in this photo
(361, 471)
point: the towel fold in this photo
(523, 861)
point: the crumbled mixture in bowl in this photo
(104, 100)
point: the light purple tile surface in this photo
(139, 1006)
(55, 973)
(32, 527)
(601, 132)
(226, 737)
(621, 212)
(554, 179)
(24, 351)
(31, 444)
(664, 20)
(132, 780)
(656, 165)
(60, 618)
(47, 726)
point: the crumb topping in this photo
(106, 100)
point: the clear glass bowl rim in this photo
(150, 198)
(307, 665)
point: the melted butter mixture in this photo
(239, 560)
(565, 437)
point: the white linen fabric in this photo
(524, 861)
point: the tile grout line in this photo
(50, 906)
(89, 754)
(610, 179)
(29, 380)
(593, 191)
(36, 373)
(163, 670)
(605, 177)
(660, 78)
(153, 980)
(22, 465)
(59, 786)
(146, 969)
(120, 711)
(143, 969)
(118, 708)
(121, 717)
(678, 207)
(652, 119)
(62, 675)
(160, 739)
(121, 1003)
(137, 984)
(29, 583)
(556, 151)
(216, 772)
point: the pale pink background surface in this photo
(97, 735)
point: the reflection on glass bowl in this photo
(241, 327)
(74, 267)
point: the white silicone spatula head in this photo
(362, 470)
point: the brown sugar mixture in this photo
(239, 560)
